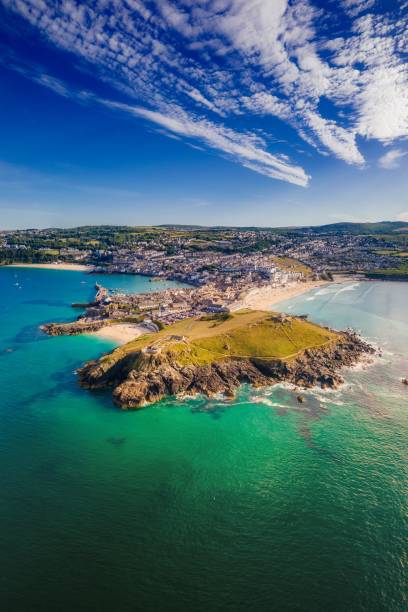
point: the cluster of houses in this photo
(340, 252)
(240, 270)
(218, 282)
(200, 256)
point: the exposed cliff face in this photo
(139, 378)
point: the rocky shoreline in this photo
(75, 328)
(150, 372)
(89, 322)
(140, 378)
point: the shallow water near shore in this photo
(261, 503)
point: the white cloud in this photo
(264, 103)
(340, 141)
(383, 104)
(403, 216)
(245, 58)
(381, 96)
(247, 149)
(198, 97)
(355, 7)
(391, 159)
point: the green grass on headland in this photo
(244, 334)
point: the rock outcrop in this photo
(73, 329)
(139, 378)
(92, 320)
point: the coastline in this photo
(263, 298)
(174, 364)
(53, 266)
(122, 333)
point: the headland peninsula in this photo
(232, 277)
(217, 353)
(209, 353)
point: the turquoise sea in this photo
(261, 504)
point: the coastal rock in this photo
(140, 378)
(72, 329)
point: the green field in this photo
(292, 265)
(245, 334)
(391, 252)
(400, 273)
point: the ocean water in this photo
(259, 504)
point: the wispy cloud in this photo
(391, 159)
(355, 7)
(195, 67)
(248, 149)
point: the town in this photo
(195, 254)
(215, 283)
(216, 268)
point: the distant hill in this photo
(380, 227)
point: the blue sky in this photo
(233, 112)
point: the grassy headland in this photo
(217, 353)
(246, 333)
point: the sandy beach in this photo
(264, 297)
(54, 266)
(121, 333)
